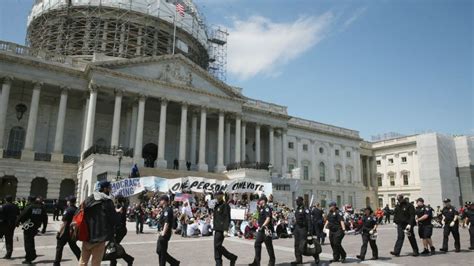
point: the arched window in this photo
(67, 188)
(16, 140)
(39, 187)
(322, 172)
(101, 142)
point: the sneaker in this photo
(375, 258)
(425, 251)
(433, 250)
(443, 249)
(394, 254)
(296, 262)
(359, 257)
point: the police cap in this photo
(446, 200)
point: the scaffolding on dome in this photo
(123, 28)
(218, 53)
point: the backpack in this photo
(78, 229)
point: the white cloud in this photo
(354, 16)
(259, 46)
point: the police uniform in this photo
(318, 224)
(303, 228)
(404, 215)
(32, 217)
(368, 224)
(166, 217)
(469, 214)
(449, 213)
(336, 234)
(221, 224)
(261, 237)
(425, 228)
(64, 238)
(10, 212)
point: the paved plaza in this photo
(199, 251)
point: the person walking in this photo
(221, 225)
(264, 232)
(166, 225)
(121, 229)
(336, 226)
(101, 218)
(368, 229)
(63, 237)
(302, 231)
(387, 214)
(10, 213)
(404, 217)
(450, 225)
(317, 217)
(424, 215)
(469, 221)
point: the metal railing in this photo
(43, 157)
(70, 159)
(248, 165)
(11, 154)
(96, 149)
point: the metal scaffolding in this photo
(218, 53)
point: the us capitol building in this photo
(104, 83)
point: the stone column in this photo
(284, 147)
(202, 166)
(89, 137)
(243, 145)
(137, 154)
(193, 138)
(7, 83)
(270, 146)
(28, 152)
(313, 160)
(257, 143)
(114, 142)
(160, 161)
(57, 155)
(227, 142)
(297, 148)
(237, 139)
(182, 136)
(367, 161)
(84, 123)
(133, 125)
(220, 144)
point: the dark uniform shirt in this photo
(334, 221)
(221, 217)
(265, 212)
(404, 213)
(122, 216)
(449, 214)
(317, 215)
(36, 213)
(368, 223)
(167, 217)
(469, 213)
(10, 212)
(302, 216)
(420, 211)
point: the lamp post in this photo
(120, 156)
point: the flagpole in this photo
(174, 31)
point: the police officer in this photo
(424, 214)
(32, 217)
(302, 230)
(221, 224)
(63, 236)
(10, 213)
(336, 226)
(404, 217)
(264, 232)
(450, 225)
(318, 223)
(369, 228)
(469, 220)
(166, 225)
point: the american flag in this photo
(180, 9)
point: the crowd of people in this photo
(259, 219)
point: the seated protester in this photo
(206, 229)
(193, 228)
(282, 229)
(250, 230)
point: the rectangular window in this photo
(291, 167)
(380, 202)
(348, 154)
(350, 200)
(305, 172)
(392, 180)
(336, 152)
(338, 175)
(291, 145)
(404, 159)
(390, 161)
(305, 147)
(392, 203)
(379, 162)
(379, 181)
(283, 187)
(323, 203)
(405, 179)
(349, 176)
(339, 200)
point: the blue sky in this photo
(374, 66)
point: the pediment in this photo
(176, 70)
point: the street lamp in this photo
(120, 156)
